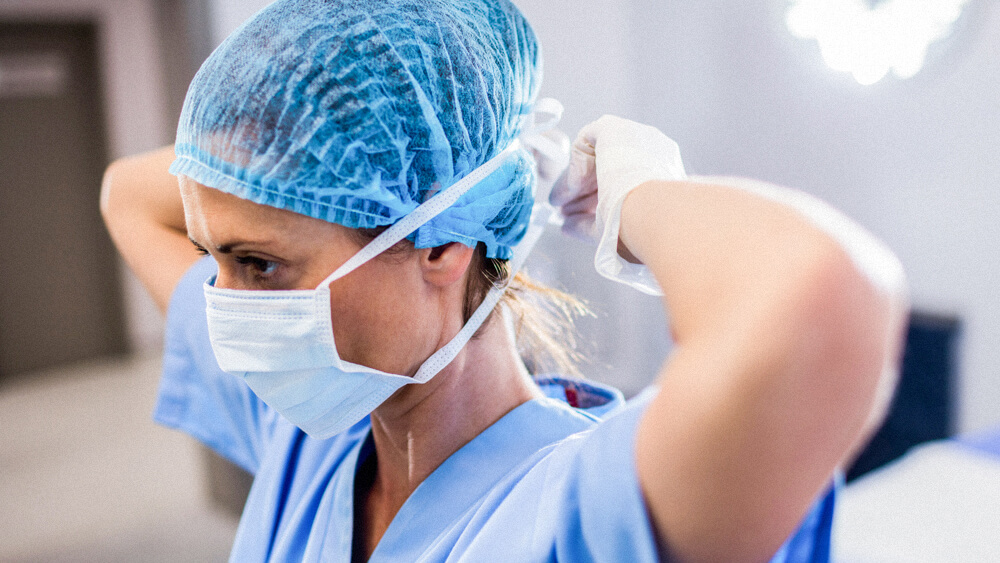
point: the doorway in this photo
(59, 287)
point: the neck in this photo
(417, 428)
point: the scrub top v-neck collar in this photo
(463, 479)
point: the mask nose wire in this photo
(422, 214)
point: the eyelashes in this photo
(258, 266)
(253, 270)
(199, 248)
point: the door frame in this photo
(134, 104)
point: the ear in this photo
(446, 264)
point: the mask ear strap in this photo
(422, 214)
(444, 356)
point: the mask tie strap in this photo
(548, 151)
(545, 115)
(422, 214)
(444, 356)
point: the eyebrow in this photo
(222, 248)
(196, 245)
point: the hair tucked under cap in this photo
(357, 111)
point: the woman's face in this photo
(385, 315)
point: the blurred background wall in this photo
(911, 160)
(914, 161)
(111, 71)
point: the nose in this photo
(225, 280)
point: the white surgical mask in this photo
(282, 343)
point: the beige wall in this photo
(914, 161)
(134, 104)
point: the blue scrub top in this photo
(553, 480)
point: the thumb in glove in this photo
(609, 158)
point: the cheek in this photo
(377, 320)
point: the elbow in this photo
(881, 282)
(119, 201)
(108, 197)
(856, 308)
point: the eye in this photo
(198, 248)
(258, 268)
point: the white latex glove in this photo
(548, 145)
(611, 157)
(550, 150)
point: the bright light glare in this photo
(869, 41)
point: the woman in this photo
(354, 170)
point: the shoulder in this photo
(578, 498)
(188, 298)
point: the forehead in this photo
(213, 215)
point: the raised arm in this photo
(787, 319)
(141, 206)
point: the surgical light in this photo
(870, 40)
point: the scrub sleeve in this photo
(582, 502)
(195, 395)
(559, 484)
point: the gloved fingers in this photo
(575, 192)
(580, 217)
(624, 146)
(617, 153)
(579, 178)
(551, 152)
(613, 133)
(581, 175)
(586, 203)
(561, 191)
(581, 227)
(587, 139)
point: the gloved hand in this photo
(548, 145)
(610, 157)
(550, 150)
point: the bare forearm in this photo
(730, 250)
(141, 206)
(781, 343)
(716, 252)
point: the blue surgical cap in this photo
(357, 111)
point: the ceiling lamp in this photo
(870, 39)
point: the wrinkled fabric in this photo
(357, 111)
(282, 342)
(553, 480)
